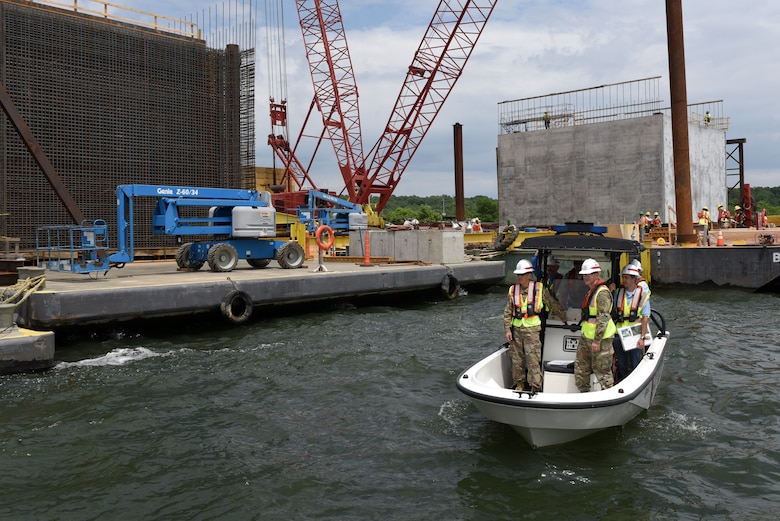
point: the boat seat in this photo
(559, 377)
(559, 366)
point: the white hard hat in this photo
(630, 269)
(637, 264)
(590, 266)
(523, 267)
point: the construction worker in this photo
(594, 351)
(739, 216)
(632, 306)
(707, 119)
(641, 224)
(656, 220)
(546, 118)
(526, 302)
(704, 217)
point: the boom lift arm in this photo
(235, 224)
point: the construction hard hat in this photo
(523, 267)
(637, 265)
(655, 213)
(720, 206)
(705, 208)
(552, 261)
(737, 207)
(630, 269)
(590, 266)
(647, 213)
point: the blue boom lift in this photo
(240, 224)
(236, 224)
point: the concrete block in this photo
(381, 243)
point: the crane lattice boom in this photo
(437, 65)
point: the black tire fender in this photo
(236, 306)
(506, 237)
(450, 287)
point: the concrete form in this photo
(112, 102)
(604, 172)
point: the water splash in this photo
(115, 357)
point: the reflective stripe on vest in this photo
(628, 313)
(589, 326)
(527, 305)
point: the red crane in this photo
(435, 68)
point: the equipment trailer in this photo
(240, 224)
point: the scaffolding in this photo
(611, 102)
(119, 96)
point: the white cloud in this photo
(537, 47)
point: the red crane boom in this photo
(438, 63)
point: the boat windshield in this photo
(565, 281)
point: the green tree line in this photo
(437, 208)
(763, 197)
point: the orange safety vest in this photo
(527, 305)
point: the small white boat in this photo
(560, 413)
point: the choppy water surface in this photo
(352, 413)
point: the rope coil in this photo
(20, 291)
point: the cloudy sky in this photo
(532, 48)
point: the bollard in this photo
(7, 315)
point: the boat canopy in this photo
(582, 237)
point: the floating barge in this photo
(158, 289)
(740, 262)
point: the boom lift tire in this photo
(290, 255)
(259, 263)
(183, 257)
(222, 257)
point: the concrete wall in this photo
(433, 246)
(604, 172)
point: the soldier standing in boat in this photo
(594, 351)
(527, 300)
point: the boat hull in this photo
(544, 419)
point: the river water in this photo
(351, 413)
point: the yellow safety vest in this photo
(589, 326)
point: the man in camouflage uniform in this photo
(522, 326)
(594, 351)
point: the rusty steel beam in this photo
(39, 155)
(682, 160)
(460, 202)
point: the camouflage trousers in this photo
(526, 352)
(588, 362)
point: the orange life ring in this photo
(331, 237)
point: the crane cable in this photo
(275, 49)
